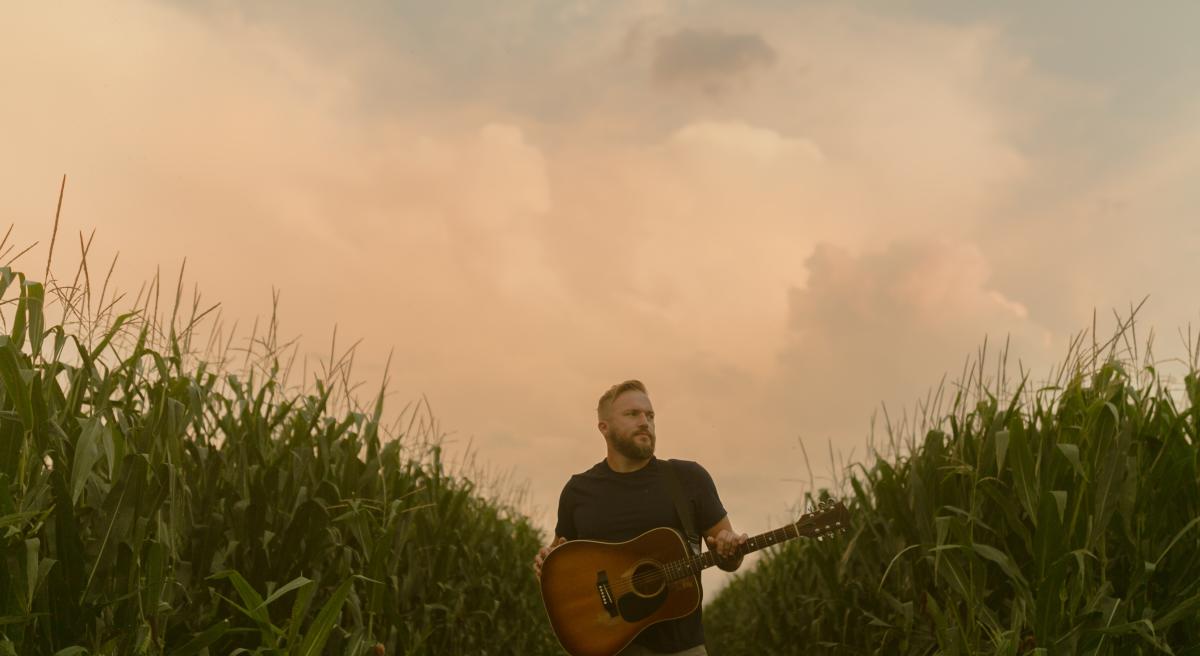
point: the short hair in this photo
(606, 400)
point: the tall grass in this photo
(152, 501)
(1062, 519)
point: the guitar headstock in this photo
(828, 519)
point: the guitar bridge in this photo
(606, 597)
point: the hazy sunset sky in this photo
(778, 215)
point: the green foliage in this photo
(1065, 521)
(148, 506)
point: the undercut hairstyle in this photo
(613, 392)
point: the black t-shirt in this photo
(601, 504)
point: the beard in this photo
(630, 447)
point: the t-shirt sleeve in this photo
(709, 509)
(566, 513)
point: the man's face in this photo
(630, 425)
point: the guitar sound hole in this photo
(648, 579)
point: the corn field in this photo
(155, 502)
(152, 503)
(1058, 520)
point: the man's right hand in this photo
(545, 551)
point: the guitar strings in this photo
(665, 572)
(626, 585)
(662, 571)
(629, 585)
(669, 571)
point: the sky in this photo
(782, 217)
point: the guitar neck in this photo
(829, 518)
(695, 564)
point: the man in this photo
(625, 495)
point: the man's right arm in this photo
(545, 551)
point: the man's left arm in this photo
(723, 542)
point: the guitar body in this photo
(600, 595)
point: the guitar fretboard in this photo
(692, 565)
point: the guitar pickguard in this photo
(634, 607)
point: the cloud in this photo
(710, 60)
(739, 139)
(885, 326)
(1093, 242)
(767, 264)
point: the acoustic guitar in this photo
(601, 595)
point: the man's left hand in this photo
(725, 544)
